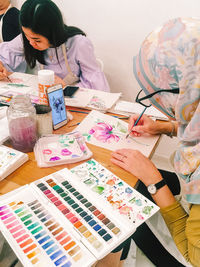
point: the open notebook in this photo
(72, 218)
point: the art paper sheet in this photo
(92, 99)
(108, 132)
(21, 83)
(124, 199)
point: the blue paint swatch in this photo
(48, 244)
(44, 239)
(61, 260)
(56, 254)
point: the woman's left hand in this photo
(136, 163)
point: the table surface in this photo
(30, 172)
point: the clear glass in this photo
(21, 116)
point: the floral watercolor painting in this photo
(109, 132)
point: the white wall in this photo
(117, 28)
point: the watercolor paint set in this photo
(66, 218)
(10, 160)
(61, 149)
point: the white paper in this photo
(92, 99)
(131, 107)
(108, 132)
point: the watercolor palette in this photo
(61, 149)
(112, 191)
(38, 234)
(70, 218)
(10, 160)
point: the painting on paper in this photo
(108, 132)
(115, 192)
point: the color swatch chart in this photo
(112, 191)
(99, 228)
(38, 234)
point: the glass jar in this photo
(21, 116)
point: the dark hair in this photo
(44, 17)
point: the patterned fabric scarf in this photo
(170, 58)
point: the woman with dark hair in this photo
(46, 42)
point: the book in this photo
(72, 217)
(10, 160)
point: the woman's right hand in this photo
(3, 72)
(145, 125)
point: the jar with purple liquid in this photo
(21, 116)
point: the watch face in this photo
(152, 189)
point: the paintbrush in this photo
(136, 122)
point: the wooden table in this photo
(30, 172)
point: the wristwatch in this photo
(153, 188)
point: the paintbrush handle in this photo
(136, 122)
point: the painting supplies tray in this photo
(61, 149)
(10, 160)
(67, 220)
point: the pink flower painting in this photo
(103, 132)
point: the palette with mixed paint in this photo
(112, 191)
(64, 219)
(61, 149)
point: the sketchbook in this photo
(108, 132)
(10, 160)
(92, 99)
(72, 218)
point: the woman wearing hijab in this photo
(168, 71)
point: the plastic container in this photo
(21, 116)
(45, 80)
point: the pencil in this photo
(78, 111)
(136, 122)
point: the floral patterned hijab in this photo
(170, 58)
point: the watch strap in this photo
(160, 184)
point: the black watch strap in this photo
(160, 184)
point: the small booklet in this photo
(10, 160)
(92, 99)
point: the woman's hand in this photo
(58, 80)
(145, 125)
(3, 72)
(136, 163)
